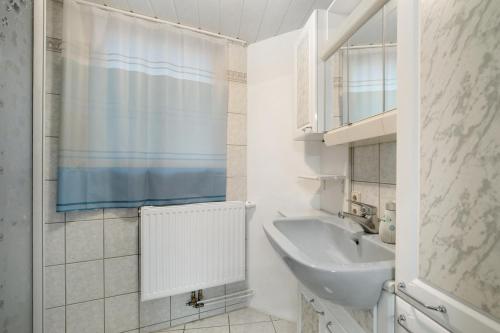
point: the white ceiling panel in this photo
(249, 20)
(141, 6)
(274, 15)
(231, 16)
(164, 9)
(187, 12)
(298, 12)
(343, 7)
(120, 4)
(253, 13)
(210, 15)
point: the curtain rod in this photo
(157, 20)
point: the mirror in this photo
(365, 56)
(361, 76)
(390, 43)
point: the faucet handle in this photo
(366, 209)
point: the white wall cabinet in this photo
(309, 79)
(415, 173)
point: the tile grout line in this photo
(103, 276)
(65, 277)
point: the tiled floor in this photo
(245, 320)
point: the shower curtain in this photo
(143, 118)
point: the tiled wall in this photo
(91, 259)
(373, 174)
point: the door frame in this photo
(37, 162)
(459, 317)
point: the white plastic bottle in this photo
(387, 229)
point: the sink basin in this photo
(333, 259)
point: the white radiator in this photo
(191, 247)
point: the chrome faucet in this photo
(367, 218)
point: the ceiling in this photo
(249, 20)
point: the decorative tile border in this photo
(236, 76)
(54, 44)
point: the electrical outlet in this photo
(356, 196)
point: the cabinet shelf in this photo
(323, 177)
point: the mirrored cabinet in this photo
(361, 81)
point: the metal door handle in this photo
(402, 322)
(438, 308)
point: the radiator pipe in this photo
(240, 294)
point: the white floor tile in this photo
(285, 326)
(247, 316)
(264, 327)
(221, 320)
(220, 329)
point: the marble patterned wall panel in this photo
(16, 44)
(460, 150)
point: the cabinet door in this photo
(447, 261)
(309, 318)
(409, 319)
(309, 75)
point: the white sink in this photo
(332, 258)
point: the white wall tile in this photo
(84, 240)
(236, 129)
(237, 306)
(179, 308)
(54, 289)
(84, 281)
(236, 188)
(84, 215)
(50, 158)
(366, 165)
(121, 237)
(49, 203)
(113, 213)
(234, 288)
(215, 312)
(236, 161)
(387, 194)
(121, 275)
(162, 327)
(54, 18)
(53, 76)
(155, 312)
(388, 162)
(55, 320)
(237, 58)
(87, 317)
(211, 293)
(122, 313)
(54, 244)
(52, 114)
(369, 194)
(180, 321)
(237, 97)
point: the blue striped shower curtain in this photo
(143, 118)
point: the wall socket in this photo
(356, 196)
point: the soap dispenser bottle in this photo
(387, 228)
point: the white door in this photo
(448, 251)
